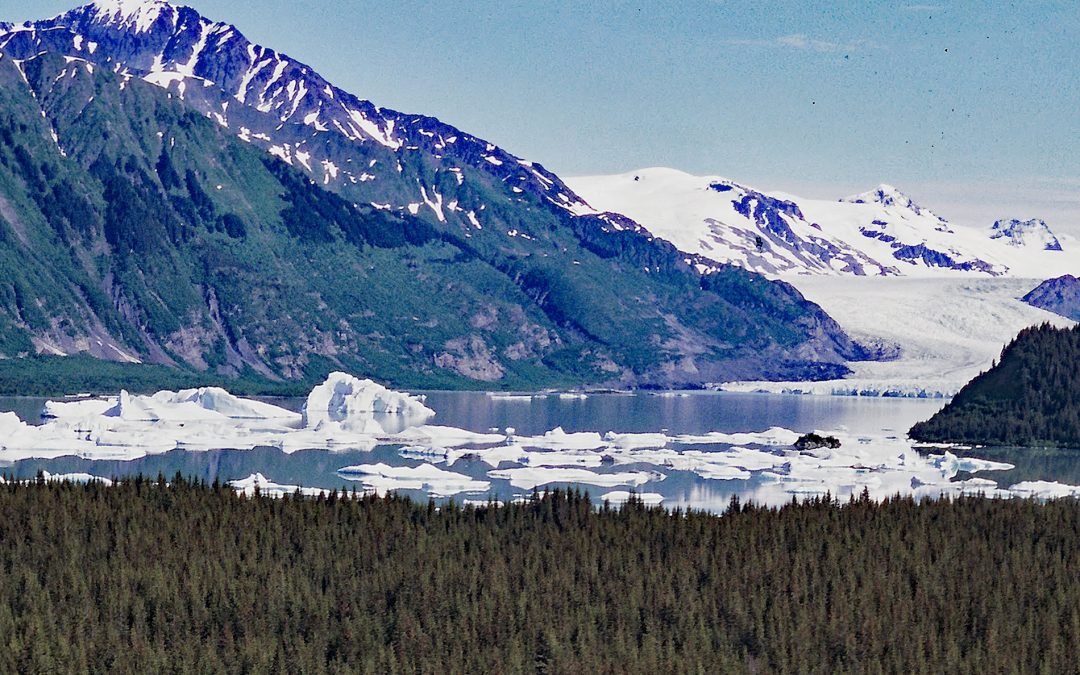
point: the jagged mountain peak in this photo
(136, 15)
(886, 195)
(1025, 233)
(893, 198)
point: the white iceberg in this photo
(622, 496)
(383, 478)
(527, 478)
(268, 488)
(351, 403)
(193, 405)
(74, 478)
(1042, 489)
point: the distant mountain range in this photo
(882, 232)
(172, 193)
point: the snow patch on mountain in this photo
(138, 15)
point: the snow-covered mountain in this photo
(1034, 233)
(275, 102)
(882, 232)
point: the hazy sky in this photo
(971, 108)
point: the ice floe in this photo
(527, 478)
(383, 478)
(1042, 489)
(619, 497)
(74, 478)
(268, 488)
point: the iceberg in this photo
(619, 497)
(383, 478)
(74, 478)
(528, 478)
(268, 488)
(191, 405)
(1042, 489)
(350, 402)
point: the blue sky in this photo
(972, 108)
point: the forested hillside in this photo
(1031, 397)
(193, 579)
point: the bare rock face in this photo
(472, 358)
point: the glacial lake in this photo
(671, 413)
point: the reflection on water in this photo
(1061, 465)
(691, 413)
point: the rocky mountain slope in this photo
(172, 193)
(882, 232)
(1060, 295)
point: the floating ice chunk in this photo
(532, 477)
(559, 439)
(623, 496)
(74, 478)
(1042, 489)
(562, 458)
(721, 472)
(93, 407)
(220, 401)
(205, 404)
(437, 482)
(631, 441)
(775, 436)
(493, 456)
(973, 465)
(10, 424)
(449, 437)
(351, 402)
(502, 396)
(269, 488)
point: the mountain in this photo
(1060, 296)
(882, 232)
(1030, 398)
(1025, 233)
(172, 193)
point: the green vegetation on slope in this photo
(188, 578)
(70, 375)
(1031, 397)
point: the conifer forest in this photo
(183, 577)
